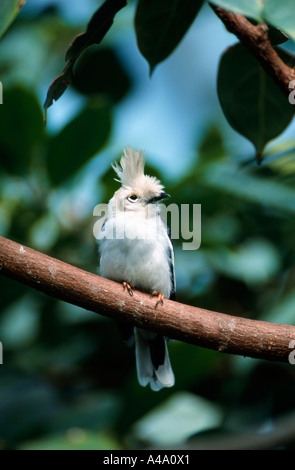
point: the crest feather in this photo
(131, 167)
(130, 172)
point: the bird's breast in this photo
(134, 249)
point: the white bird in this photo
(136, 250)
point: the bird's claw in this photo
(128, 286)
(160, 298)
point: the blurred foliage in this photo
(159, 28)
(98, 26)
(78, 141)
(88, 79)
(251, 9)
(67, 380)
(266, 112)
(8, 11)
(273, 12)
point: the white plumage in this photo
(136, 250)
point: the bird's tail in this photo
(152, 360)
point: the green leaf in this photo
(21, 124)
(58, 86)
(252, 103)
(74, 439)
(250, 8)
(281, 159)
(78, 141)
(161, 24)
(254, 261)
(281, 15)
(99, 71)
(231, 180)
(276, 36)
(278, 14)
(192, 414)
(97, 27)
(8, 11)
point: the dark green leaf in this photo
(276, 36)
(21, 125)
(252, 103)
(99, 71)
(58, 86)
(97, 27)
(161, 24)
(80, 140)
(281, 15)
(8, 11)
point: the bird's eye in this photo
(132, 198)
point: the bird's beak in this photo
(161, 196)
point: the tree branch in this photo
(218, 331)
(256, 40)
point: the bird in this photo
(136, 250)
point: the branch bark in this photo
(218, 331)
(256, 40)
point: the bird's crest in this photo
(131, 172)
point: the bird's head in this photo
(139, 192)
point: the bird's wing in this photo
(170, 253)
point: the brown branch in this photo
(256, 40)
(225, 333)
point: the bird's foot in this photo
(160, 298)
(128, 286)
